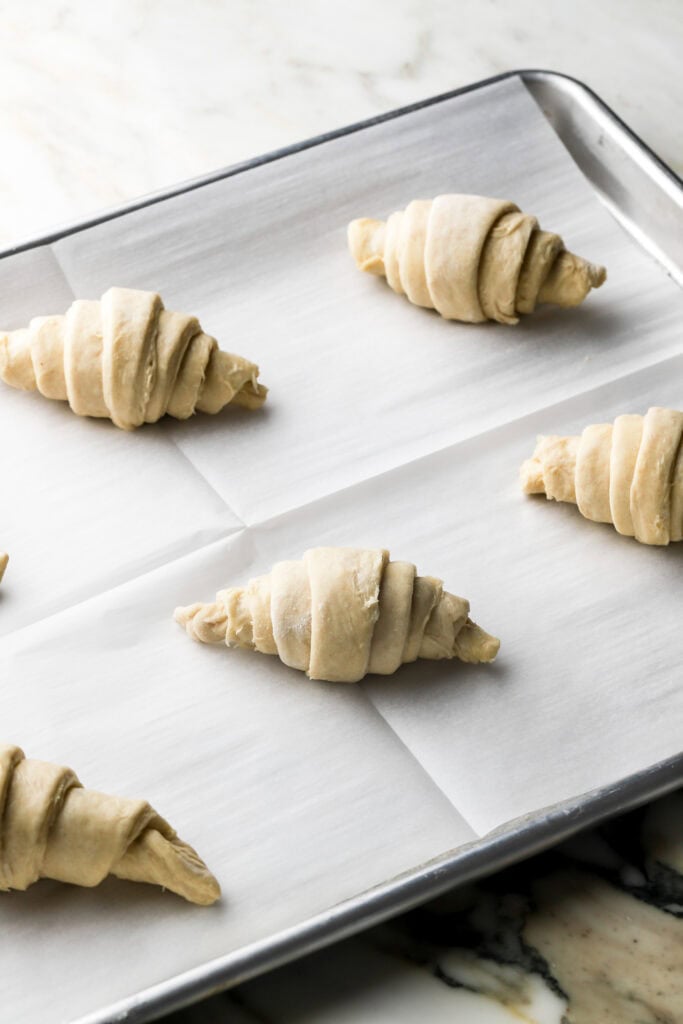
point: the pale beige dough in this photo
(50, 827)
(341, 613)
(127, 359)
(472, 258)
(629, 473)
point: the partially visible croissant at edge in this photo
(126, 358)
(472, 259)
(50, 827)
(341, 613)
(4, 559)
(629, 473)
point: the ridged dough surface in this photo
(472, 258)
(629, 473)
(126, 358)
(340, 613)
(50, 827)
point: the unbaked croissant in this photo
(126, 358)
(50, 827)
(472, 258)
(341, 613)
(629, 473)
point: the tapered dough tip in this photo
(474, 645)
(167, 861)
(188, 876)
(366, 242)
(205, 623)
(183, 614)
(4, 559)
(531, 476)
(252, 395)
(570, 280)
(598, 274)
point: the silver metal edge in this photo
(499, 849)
(631, 143)
(641, 193)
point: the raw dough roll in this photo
(340, 613)
(629, 473)
(50, 827)
(127, 359)
(472, 258)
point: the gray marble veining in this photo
(589, 933)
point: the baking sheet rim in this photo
(502, 847)
(565, 83)
(511, 843)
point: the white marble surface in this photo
(104, 102)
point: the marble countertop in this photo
(590, 933)
(106, 102)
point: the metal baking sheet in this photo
(306, 823)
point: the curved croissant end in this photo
(341, 613)
(50, 827)
(4, 559)
(629, 473)
(127, 359)
(472, 259)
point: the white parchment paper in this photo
(385, 426)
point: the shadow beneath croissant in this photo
(422, 678)
(47, 902)
(593, 320)
(568, 512)
(674, 552)
(231, 417)
(419, 677)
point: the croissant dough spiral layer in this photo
(341, 613)
(472, 258)
(629, 473)
(127, 359)
(50, 827)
